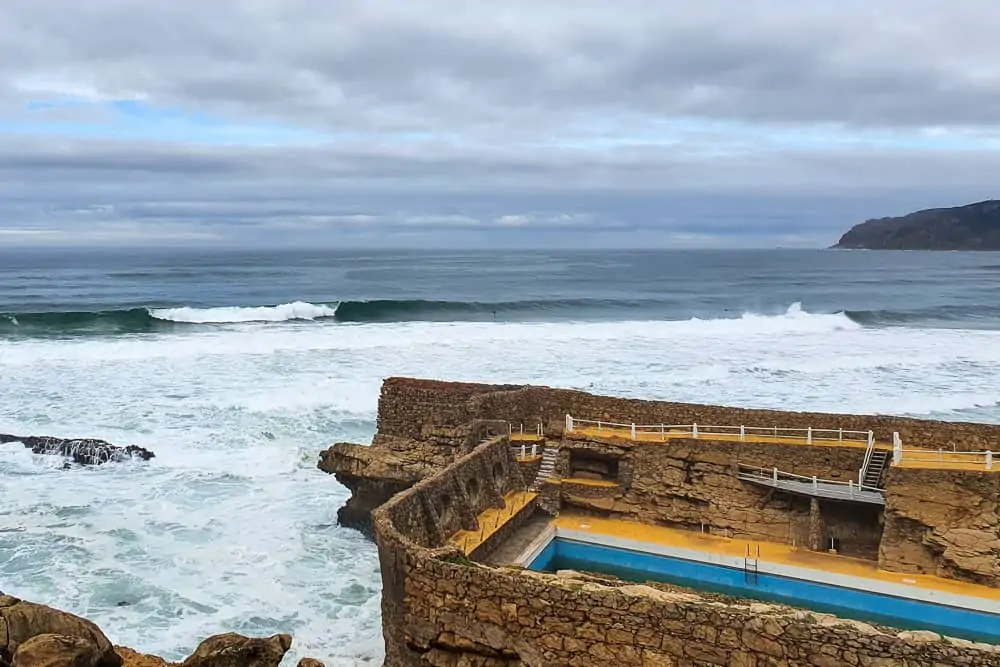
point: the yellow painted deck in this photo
(933, 460)
(526, 437)
(657, 436)
(602, 483)
(769, 552)
(492, 520)
(926, 459)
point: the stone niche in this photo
(593, 465)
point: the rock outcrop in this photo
(34, 635)
(85, 451)
(943, 523)
(233, 650)
(970, 227)
(393, 463)
(21, 621)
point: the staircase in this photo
(547, 467)
(872, 475)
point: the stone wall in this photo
(693, 484)
(945, 523)
(442, 610)
(407, 403)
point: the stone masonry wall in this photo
(693, 484)
(441, 610)
(945, 523)
(406, 403)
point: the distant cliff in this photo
(970, 227)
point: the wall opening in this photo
(585, 464)
(473, 490)
(499, 476)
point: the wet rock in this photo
(21, 621)
(85, 451)
(234, 650)
(310, 662)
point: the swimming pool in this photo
(568, 554)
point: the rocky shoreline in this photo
(34, 635)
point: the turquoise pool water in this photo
(565, 554)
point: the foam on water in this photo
(231, 526)
(298, 310)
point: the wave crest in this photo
(298, 310)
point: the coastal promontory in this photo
(970, 227)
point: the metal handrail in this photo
(776, 475)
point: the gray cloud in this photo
(476, 123)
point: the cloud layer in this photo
(445, 122)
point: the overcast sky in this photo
(427, 123)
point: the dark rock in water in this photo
(86, 451)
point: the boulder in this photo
(131, 658)
(234, 650)
(57, 651)
(21, 621)
(310, 662)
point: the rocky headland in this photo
(970, 227)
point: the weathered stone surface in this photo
(132, 658)
(943, 522)
(57, 651)
(20, 621)
(234, 650)
(310, 662)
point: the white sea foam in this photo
(229, 527)
(298, 310)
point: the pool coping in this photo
(809, 575)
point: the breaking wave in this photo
(139, 320)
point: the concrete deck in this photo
(777, 554)
(491, 520)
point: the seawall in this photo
(442, 609)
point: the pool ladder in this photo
(751, 567)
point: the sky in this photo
(447, 123)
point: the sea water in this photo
(238, 368)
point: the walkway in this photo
(676, 434)
(935, 459)
(811, 487)
(492, 520)
(945, 460)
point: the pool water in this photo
(565, 554)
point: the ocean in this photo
(238, 367)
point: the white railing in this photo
(740, 433)
(539, 431)
(869, 451)
(942, 458)
(829, 487)
(527, 451)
